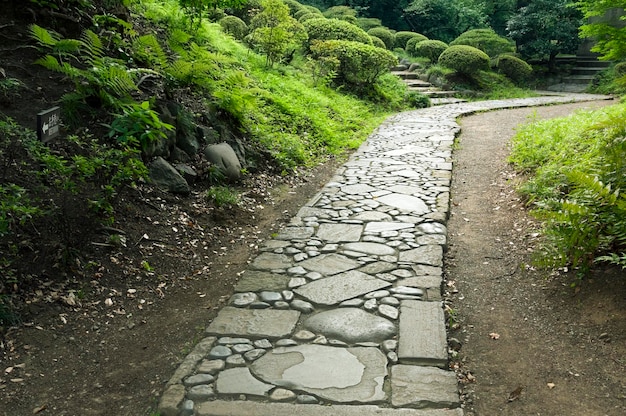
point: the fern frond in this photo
(43, 36)
(117, 80)
(150, 50)
(92, 44)
(65, 47)
(51, 63)
(179, 37)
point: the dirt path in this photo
(524, 330)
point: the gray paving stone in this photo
(370, 248)
(295, 233)
(243, 299)
(431, 255)
(422, 334)
(423, 387)
(337, 374)
(330, 264)
(379, 227)
(372, 216)
(271, 261)
(405, 202)
(339, 233)
(245, 408)
(240, 381)
(351, 325)
(378, 267)
(266, 323)
(335, 289)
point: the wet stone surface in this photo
(347, 298)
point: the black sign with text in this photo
(48, 124)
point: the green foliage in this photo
(367, 23)
(15, 208)
(514, 68)
(385, 35)
(417, 100)
(464, 59)
(486, 40)
(403, 37)
(430, 49)
(545, 28)
(359, 63)
(322, 29)
(222, 196)
(274, 31)
(139, 126)
(414, 40)
(148, 52)
(345, 13)
(294, 6)
(445, 19)
(604, 24)
(378, 42)
(98, 79)
(611, 80)
(578, 167)
(234, 26)
(197, 9)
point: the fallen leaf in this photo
(515, 394)
(108, 302)
(39, 409)
(551, 385)
(494, 335)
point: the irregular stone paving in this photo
(341, 313)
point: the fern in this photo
(43, 36)
(92, 45)
(147, 49)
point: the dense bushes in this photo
(486, 40)
(358, 63)
(578, 167)
(234, 26)
(514, 68)
(383, 34)
(430, 49)
(403, 37)
(464, 59)
(414, 40)
(333, 29)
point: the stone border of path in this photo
(341, 313)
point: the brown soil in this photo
(531, 343)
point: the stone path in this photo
(341, 312)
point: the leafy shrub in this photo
(234, 26)
(345, 13)
(333, 29)
(385, 35)
(378, 42)
(417, 100)
(486, 40)
(308, 16)
(294, 6)
(367, 23)
(578, 167)
(359, 63)
(403, 37)
(514, 68)
(139, 126)
(464, 59)
(430, 49)
(620, 69)
(410, 44)
(223, 196)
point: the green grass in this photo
(577, 168)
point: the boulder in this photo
(224, 157)
(165, 176)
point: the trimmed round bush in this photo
(464, 59)
(486, 40)
(308, 16)
(334, 29)
(234, 26)
(306, 10)
(294, 6)
(514, 68)
(430, 49)
(378, 42)
(403, 37)
(410, 44)
(385, 35)
(367, 23)
(358, 63)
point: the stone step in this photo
(405, 74)
(245, 408)
(578, 79)
(588, 70)
(443, 101)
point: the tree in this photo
(444, 19)
(274, 31)
(606, 26)
(197, 8)
(545, 28)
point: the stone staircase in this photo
(584, 69)
(437, 95)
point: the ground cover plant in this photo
(578, 169)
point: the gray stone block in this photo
(422, 335)
(423, 387)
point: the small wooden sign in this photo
(48, 124)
